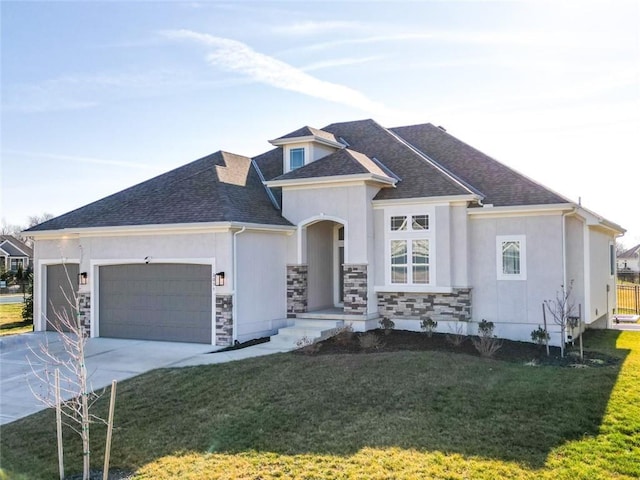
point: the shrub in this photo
(486, 342)
(458, 336)
(307, 345)
(387, 325)
(369, 341)
(539, 336)
(343, 335)
(429, 326)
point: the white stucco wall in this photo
(602, 284)
(515, 306)
(262, 280)
(93, 251)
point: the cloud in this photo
(234, 56)
(339, 62)
(73, 158)
(315, 28)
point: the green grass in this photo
(400, 415)
(11, 321)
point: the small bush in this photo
(458, 336)
(343, 335)
(307, 345)
(486, 342)
(429, 326)
(539, 336)
(369, 341)
(387, 325)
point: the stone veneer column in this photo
(84, 311)
(355, 289)
(224, 320)
(297, 285)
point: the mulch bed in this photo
(403, 340)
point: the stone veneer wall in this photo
(84, 311)
(224, 320)
(297, 285)
(439, 306)
(355, 289)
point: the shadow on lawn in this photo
(338, 404)
(431, 401)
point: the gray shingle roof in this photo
(217, 188)
(225, 187)
(15, 247)
(631, 253)
(341, 162)
(307, 132)
(500, 185)
(419, 177)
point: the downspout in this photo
(234, 302)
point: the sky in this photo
(99, 96)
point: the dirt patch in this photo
(379, 341)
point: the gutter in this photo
(234, 300)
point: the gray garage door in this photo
(62, 283)
(170, 302)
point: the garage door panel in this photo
(170, 302)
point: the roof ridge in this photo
(450, 175)
(517, 172)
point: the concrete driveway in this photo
(107, 359)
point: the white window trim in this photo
(521, 239)
(409, 235)
(287, 155)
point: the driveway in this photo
(107, 359)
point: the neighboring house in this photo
(629, 263)
(354, 220)
(14, 254)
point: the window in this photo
(510, 256)
(16, 263)
(612, 259)
(296, 158)
(409, 249)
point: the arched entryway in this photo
(324, 247)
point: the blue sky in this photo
(98, 96)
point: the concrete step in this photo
(312, 331)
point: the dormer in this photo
(304, 146)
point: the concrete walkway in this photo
(107, 359)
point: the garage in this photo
(62, 283)
(166, 302)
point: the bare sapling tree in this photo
(561, 310)
(75, 396)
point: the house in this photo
(14, 254)
(349, 223)
(629, 264)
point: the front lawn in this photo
(395, 415)
(11, 321)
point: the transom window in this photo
(409, 249)
(409, 223)
(510, 257)
(296, 158)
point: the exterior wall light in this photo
(220, 279)
(82, 278)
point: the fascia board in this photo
(169, 229)
(339, 180)
(308, 138)
(445, 199)
(516, 210)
